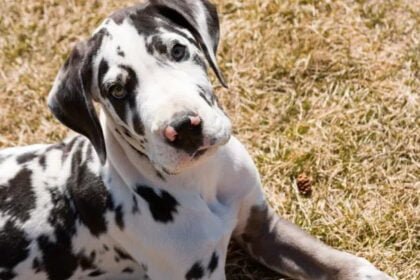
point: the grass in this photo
(325, 88)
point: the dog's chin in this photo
(185, 162)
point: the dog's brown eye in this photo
(117, 91)
(178, 52)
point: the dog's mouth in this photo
(199, 153)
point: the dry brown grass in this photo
(326, 88)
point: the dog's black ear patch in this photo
(196, 272)
(14, 248)
(162, 205)
(70, 99)
(18, 199)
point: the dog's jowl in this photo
(155, 186)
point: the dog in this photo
(156, 186)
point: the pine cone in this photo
(304, 184)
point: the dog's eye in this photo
(178, 52)
(117, 91)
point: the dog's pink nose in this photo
(188, 123)
(185, 132)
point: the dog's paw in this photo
(361, 269)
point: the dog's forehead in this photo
(129, 30)
(146, 20)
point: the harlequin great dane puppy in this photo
(157, 187)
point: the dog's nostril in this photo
(170, 133)
(195, 120)
(185, 133)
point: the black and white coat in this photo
(142, 193)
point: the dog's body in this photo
(157, 188)
(69, 220)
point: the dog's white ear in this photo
(70, 99)
(201, 19)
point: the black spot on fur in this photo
(90, 196)
(120, 52)
(67, 148)
(138, 124)
(96, 273)
(87, 262)
(7, 275)
(60, 263)
(140, 153)
(195, 272)
(127, 133)
(102, 70)
(213, 263)
(157, 44)
(162, 206)
(200, 62)
(127, 270)
(37, 265)
(135, 208)
(119, 217)
(202, 95)
(13, 247)
(207, 95)
(131, 84)
(160, 176)
(42, 161)
(18, 199)
(23, 158)
(59, 147)
(57, 255)
(121, 254)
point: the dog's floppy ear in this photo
(201, 19)
(70, 99)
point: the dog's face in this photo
(147, 68)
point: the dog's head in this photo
(147, 68)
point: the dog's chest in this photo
(175, 232)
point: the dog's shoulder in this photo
(59, 187)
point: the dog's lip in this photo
(200, 152)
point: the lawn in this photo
(326, 90)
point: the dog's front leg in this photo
(289, 250)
